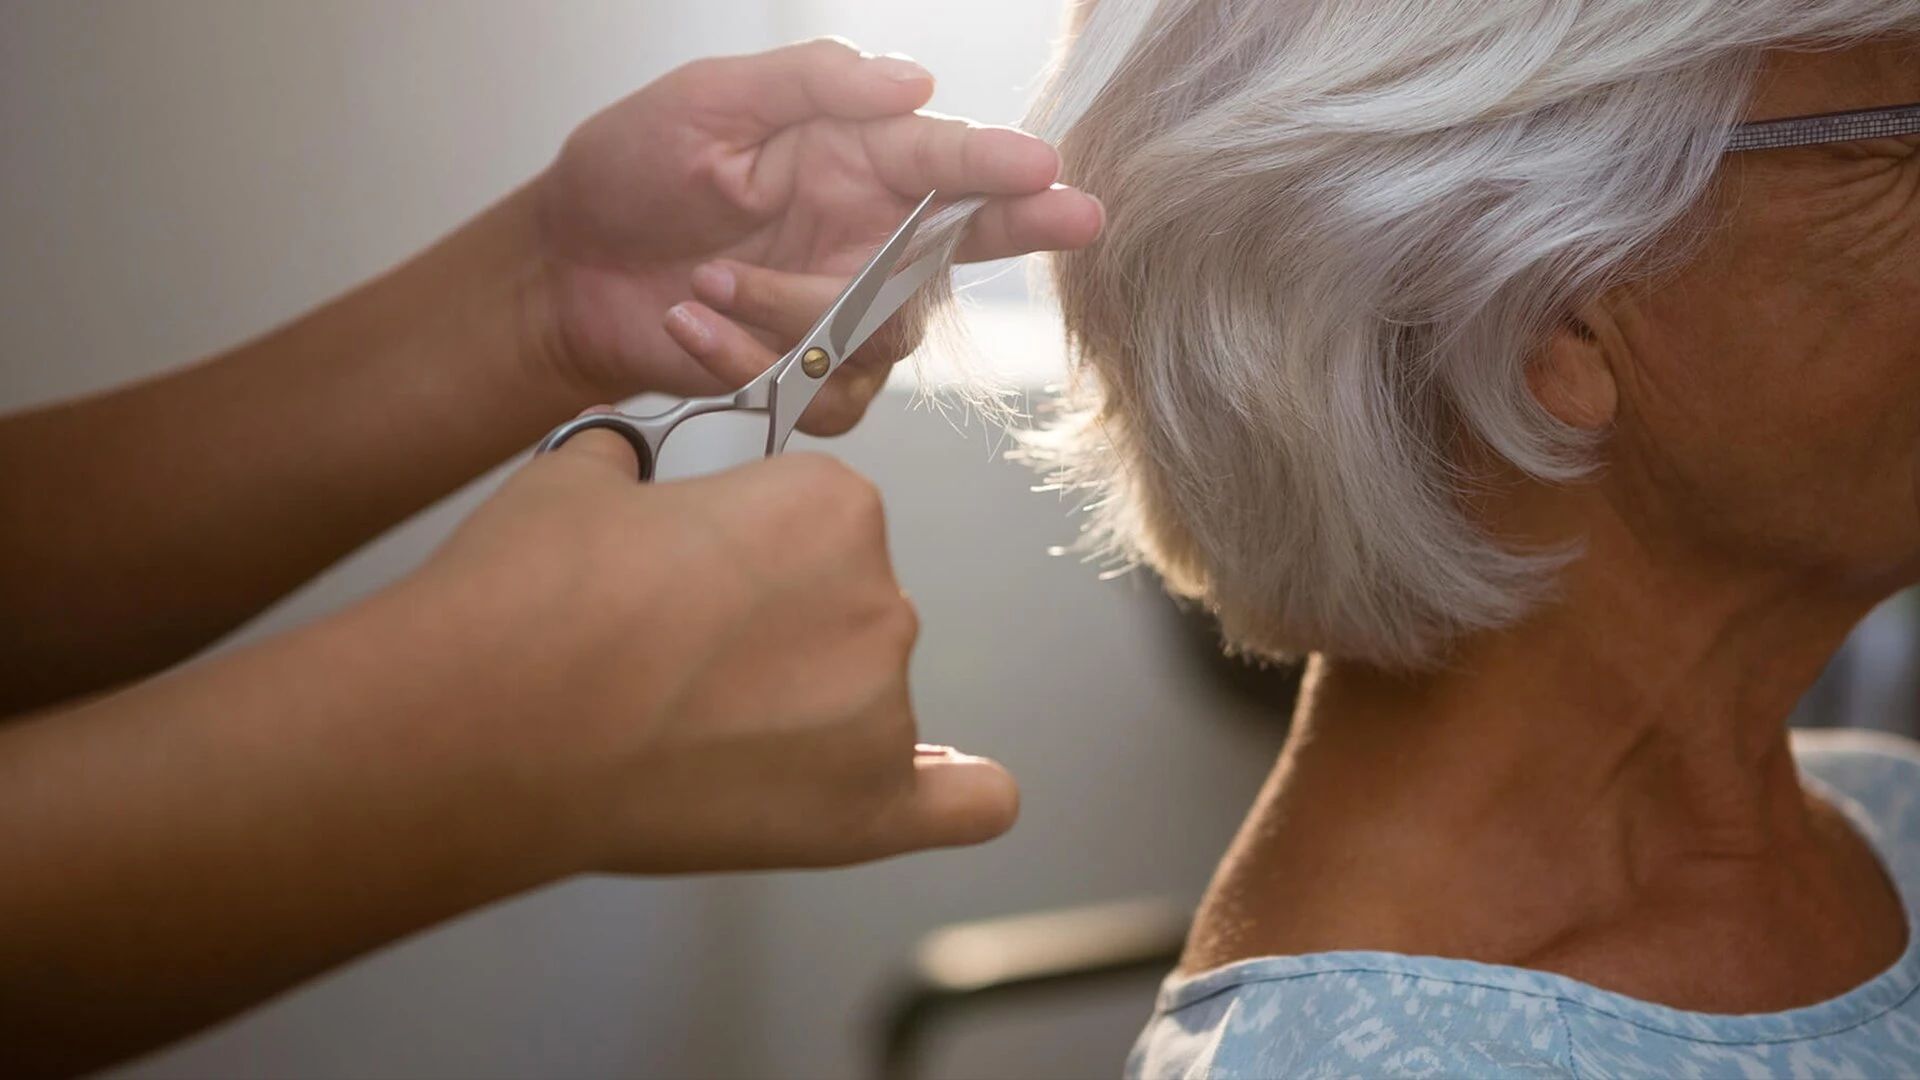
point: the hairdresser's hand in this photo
(712, 673)
(799, 161)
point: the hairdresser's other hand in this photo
(710, 674)
(799, 160)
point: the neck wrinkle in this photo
(1553, 776)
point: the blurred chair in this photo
(966, 971)
(1874, 681)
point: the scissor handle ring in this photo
(622, 426)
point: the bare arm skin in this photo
(139, 526)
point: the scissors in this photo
(784, 391)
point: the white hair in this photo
(1337, 231)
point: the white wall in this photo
(177, 175)
(986, 54)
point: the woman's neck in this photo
(1607, 792)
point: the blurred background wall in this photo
(176, 175)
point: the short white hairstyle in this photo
(1337, 232)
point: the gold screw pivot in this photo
(815, 363)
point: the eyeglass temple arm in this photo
(1851, 126)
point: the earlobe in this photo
(1572, 377)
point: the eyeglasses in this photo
(1829, 128)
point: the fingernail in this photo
(698, 335)
(946, 755)
(714, 284)
(901, 69)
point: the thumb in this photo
(598, 435)
(956, 800)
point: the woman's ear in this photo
(1572, 377)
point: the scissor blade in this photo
(839, 332)
(858, 301)
(894, 296)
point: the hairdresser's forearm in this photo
(176, 853)
(139, 526)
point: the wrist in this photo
(573, 317)
(488, 348)
(522, 308)
(479, 725)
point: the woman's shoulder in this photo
(1880, 775)
(1388, 1015)
(1353, 1014)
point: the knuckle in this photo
(859, 501)
(926, 155)
(753, 294)
(702, 72)
(838, 487)
(902, 622)
(832, 516)
(830, 49)
(815, 473)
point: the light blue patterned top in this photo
(1369, 1014)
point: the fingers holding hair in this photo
(1058, 219)
(743, 316)
(921, 152)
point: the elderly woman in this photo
(1486, 352)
